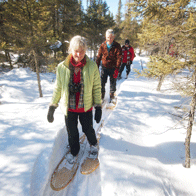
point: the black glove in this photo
(50, 116)
(98, 114)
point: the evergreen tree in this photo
(28, 29)
(97, 21)
(129, 27)
(171, 26)
(161, 23)
(117, 27)
(119, 14)
(66, 19)
(4, 37)
(31, 26)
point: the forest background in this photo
(39, 32)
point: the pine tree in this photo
(97, 21)
(129, 27)
(4, 38)
(187, 86)
(161, 23)
(66, 19)
(119, 14)
(118, 22)
(171, 26)
(28, 29)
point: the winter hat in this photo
(126, 41)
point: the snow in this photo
(141, 147)
(56, 45)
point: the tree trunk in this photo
(190, 126)
(95, 54)
(8, 58)
(161, 79)
(38, 76)
(141, 63)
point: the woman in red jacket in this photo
(127, 58)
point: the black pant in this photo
(104, 76)
(128, 68)
(86, 120)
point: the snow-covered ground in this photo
(141, 147)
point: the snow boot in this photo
(70, 158)
(126, 76)
(91, 162)
(113, 101)
(111, 95)
(112, 98)
(93, 153)
(119, 76)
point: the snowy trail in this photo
(76, 187)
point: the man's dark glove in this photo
(98, 113)
(50, 116)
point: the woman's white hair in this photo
(77, 42)
(109, 32)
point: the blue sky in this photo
(112, 4)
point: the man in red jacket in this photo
(127, 58)
(110, 53)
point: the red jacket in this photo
(127, 54)
(111, 59)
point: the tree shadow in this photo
(19, 147)
(166, 153)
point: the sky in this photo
(112, 4)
